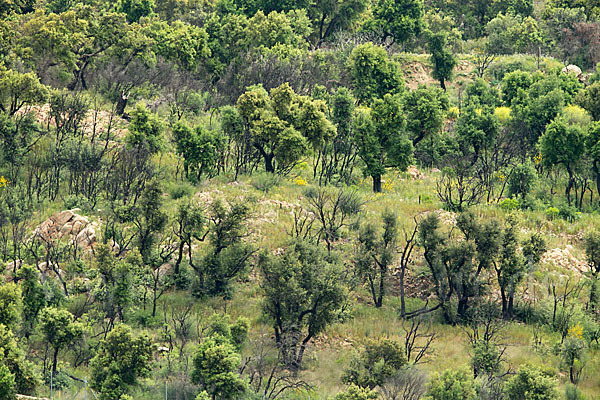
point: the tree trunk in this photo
(269, 163)
(376, 183)
(402, 300)
(121, 104)
(443, 84)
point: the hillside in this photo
(332, 200)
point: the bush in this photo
(568, 212)
(77, 201)
(552, 213)
(179, 190)
(265, 181)
(453, 384)
(572, 393)
(522, 180)
(532, 383)
(509, 204)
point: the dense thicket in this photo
(122, 111)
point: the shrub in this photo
(552, 213)
(453, 384)
(509, 204)
(522, 180)
(77, 201)
(179, 190)
(265, 181)
(532, 383)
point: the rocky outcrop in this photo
(68, 225)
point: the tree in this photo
(304, 290)
(149, 219)
(522, 180)
(20, 90)
(120, 360)
(59, 330)
(332, 16)
(592, 254)
(228, 255)
(357, 393)
(509, 34)
(145, 130)
(533, 383)
(188, 226)
(202, 150)
(135, 9)
(13, 357)
(375, 255)
(456, 266)
(452, 384)
(442, 58)
(515, 260)
(589, 98)
(215, 368)
(400, 20)
(273, 128)
(373, 74)
(334, 210)
(32, 296)
(7, 384)
(424, 109)
(379, 361)
(380, 138)
(592, 149)
(10, 304)
(514, 84)
(562, 145)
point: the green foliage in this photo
(135, 9)
(202, 150)
(19, 90)
(380, 139)
(514, 86)
(145, 130)
(373, 73)
(121, 359)
(59, 330)
(378, 361)
(572, 353)
(228, 256)
(399, 19)
(484, 359)
(355, 392)
(509, 204)
(442, 59)
(149, 219)
(32, 296)
(304, 290)
(424, 109)
(451, 384)
(7, 383)
(10, 304)
(532, 383)
(376, 254)
(509, 34)
(589, 98)
(265, 182)
(12, 356)
(215, 365)
(522, 180)
(573, 393)
(283, 125)
(562, 145)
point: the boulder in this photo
(572, 69)
(63, 217)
